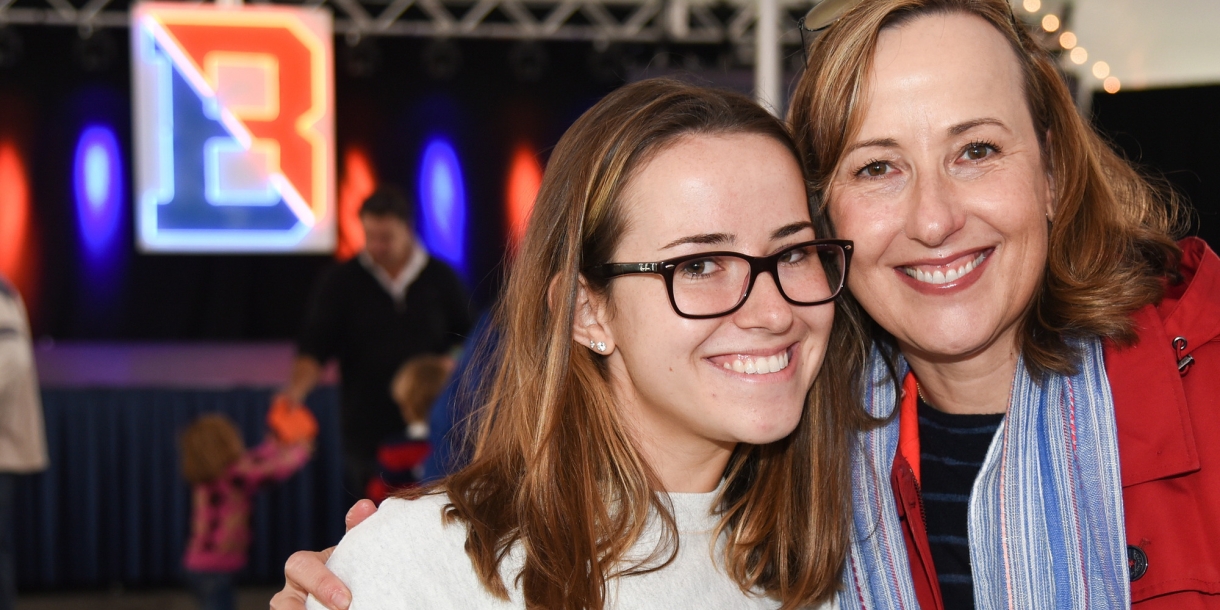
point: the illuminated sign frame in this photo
(234, 128)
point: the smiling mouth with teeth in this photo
(944, 277)
(760, 365)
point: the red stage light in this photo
(17, 262)
(524, 179)
(358, 182)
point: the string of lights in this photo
(1055, 26)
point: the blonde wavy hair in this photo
(1111, 245)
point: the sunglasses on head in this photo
(825, 13)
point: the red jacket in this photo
(1168, 445)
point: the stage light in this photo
(358, 182)
(528, 60)
(98, 180)
(1067, 40)
(362, 58)
(442, 197)
(1032, 6)
(96, 50)
(1101, 69)
(1079, 56)
(1112, 85)
(607, 65)
(12, 47)
(15, 262)
(524, 179)
(1050, 23)
(442, 59)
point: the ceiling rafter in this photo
(655, 21)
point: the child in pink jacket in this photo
(224, 477)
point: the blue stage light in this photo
(98, 173)
(442, 197)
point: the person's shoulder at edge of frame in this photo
(404, 557)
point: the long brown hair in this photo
(554, 467)
(209, 446)
(1111, 243)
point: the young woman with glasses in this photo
(656, 433)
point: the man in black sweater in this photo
(374, 312)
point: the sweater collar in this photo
(397, 286)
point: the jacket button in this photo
(1137, 562)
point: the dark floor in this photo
(248, 598)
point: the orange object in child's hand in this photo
(291, 421)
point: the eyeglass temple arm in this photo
(609, 270)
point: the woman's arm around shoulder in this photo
(404, 557)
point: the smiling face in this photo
(741, 193)
(944, 191)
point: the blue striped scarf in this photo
(1046, 513)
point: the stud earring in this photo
(592, 345)
(601, 347)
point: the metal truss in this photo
(599, 21)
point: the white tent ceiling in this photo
(1150, 43)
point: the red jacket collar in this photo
(1156, 443)
(1191, 309)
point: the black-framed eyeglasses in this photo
(714, 284)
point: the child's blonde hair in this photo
(209, 446)
(418, 383)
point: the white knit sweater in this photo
(404, 558)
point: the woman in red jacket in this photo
(1045, 352)
(1048, 348)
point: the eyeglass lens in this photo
(716, 284)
